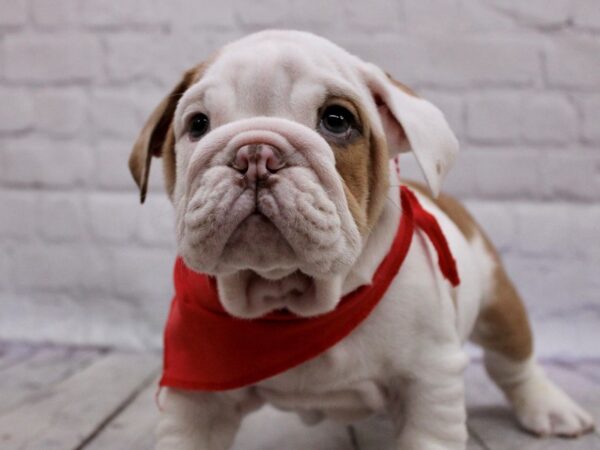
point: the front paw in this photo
(545, 410)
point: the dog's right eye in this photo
(198, 126)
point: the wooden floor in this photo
(55, 398)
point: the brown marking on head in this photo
(157, 138)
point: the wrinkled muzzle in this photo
(263, 194)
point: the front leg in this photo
(201, 420)
(431, 414)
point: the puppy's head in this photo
(276, 159)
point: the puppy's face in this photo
(276, 160)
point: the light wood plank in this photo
(266, 429)
(134, 427)
(14, 353)
(376, 433)
(270, 429)
(48, 365)
(66, 414)
(491, 419)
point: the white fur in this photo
(406, 358)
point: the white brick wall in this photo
(81, 261)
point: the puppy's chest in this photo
(338, 384)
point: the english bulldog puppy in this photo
(277, 158)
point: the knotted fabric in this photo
(208, 349)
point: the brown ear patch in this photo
(156, 137)
(401, 86)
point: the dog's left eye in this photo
(198, 126)
(337, 120)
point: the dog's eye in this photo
(337, 120)
(198, 125)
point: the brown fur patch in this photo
(352, 163)
(363, 166)
(452, 208)
(502, 326)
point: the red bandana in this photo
(208, 349)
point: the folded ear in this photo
(152, 138)
(410, 122)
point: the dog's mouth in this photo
(258, 245)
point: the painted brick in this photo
(571, 177)
(46, 59)
(150, 280)
(132, 57)
(591, 117)
(494, 117)
(129, 57)
(101, 13)
(460, 62)
(36, 163)
(558, 229)
(19, 214)
(322, 16)
(498, 220)
(211, 16)
(482, 17)
(5, 272)
(115, 114)
(60, 267)
(157, 222)
(420, 16)
(536, 12)
(554, 286)
(111, 170)
(507, 173)
(16, 109)
(574, 62)
(55, 13)
(14, 12)
(113, 217)
(61, 217)
(586, 14)
(380, 15)
(548, 119)
(263, 13)
(459, 16)
(60, 112)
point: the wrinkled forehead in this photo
(284, 74)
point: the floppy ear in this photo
(410, 122)
(151, 140)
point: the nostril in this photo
(270, 159)
(242, 160)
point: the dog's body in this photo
(406, 358)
